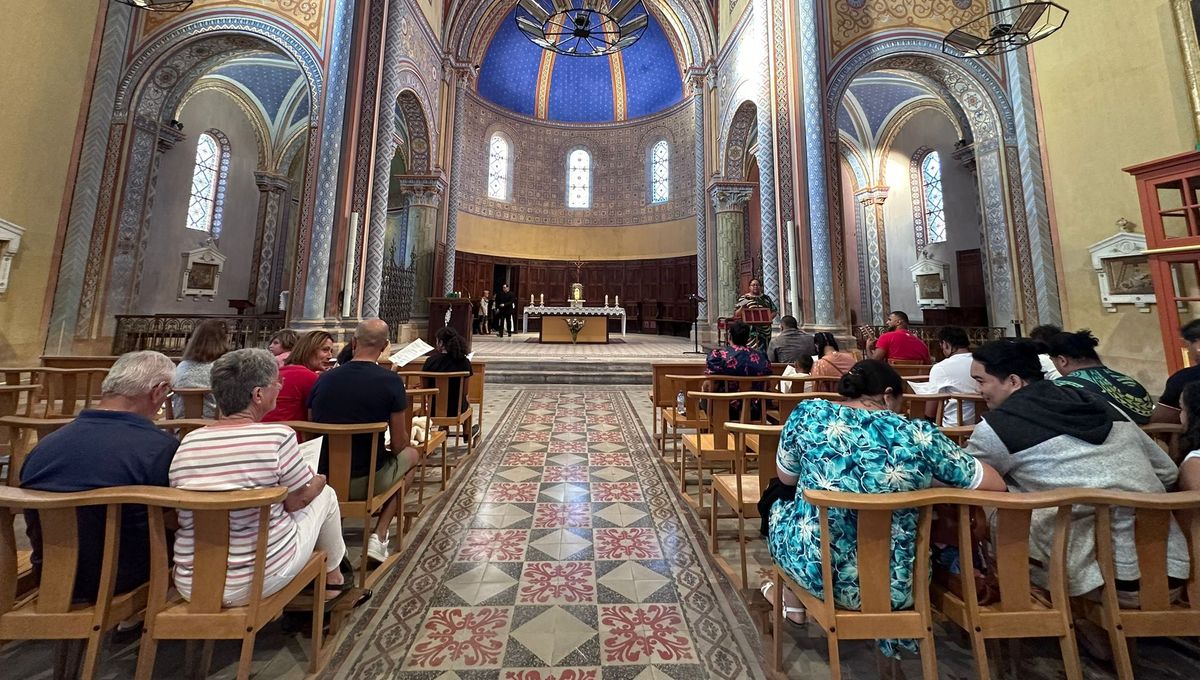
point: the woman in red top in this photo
(308, 359)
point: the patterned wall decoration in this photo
(920, 235)
(853, 20)
(619, 180)
(308, 16)
(736, 141)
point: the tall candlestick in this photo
(605, 300)
(618, 300)
(542, 299)
(531, 299)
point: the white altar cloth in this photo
(563, 310)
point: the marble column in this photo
(875, 238)
(766, 156)
(461, 80)
(697, 84)
(272, 199)
(729, 202)
(423, 197)
(813, 101)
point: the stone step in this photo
(558, 376)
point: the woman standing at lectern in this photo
(760, 334)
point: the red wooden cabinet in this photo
(1169, 193)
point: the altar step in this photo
(568, 373)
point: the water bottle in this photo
(680, 403)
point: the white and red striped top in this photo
(228, 458)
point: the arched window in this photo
(933, 203)
(579, 179)
(208, 183)
(660, 172)
(499, 165)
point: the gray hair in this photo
(136, 374)
(237, 373)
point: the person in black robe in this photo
(506, 307)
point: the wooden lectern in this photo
(755, 316)
(462, 314)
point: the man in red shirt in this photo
(898, 343)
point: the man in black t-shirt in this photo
(362, 391)
(1167, 408)
(506, 306)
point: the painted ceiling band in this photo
(619, 96)
(541, 107)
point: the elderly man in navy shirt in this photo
(114, 444)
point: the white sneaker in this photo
(377, 550)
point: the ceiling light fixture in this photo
(581, 28)
(1005, 30)
(158, 5)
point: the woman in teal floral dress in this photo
(861, 445)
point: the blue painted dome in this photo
(642, 79)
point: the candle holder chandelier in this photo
(158, 5)
(581, 28)
(1005, 30)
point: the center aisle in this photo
(563, 551)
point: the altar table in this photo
(554, 325)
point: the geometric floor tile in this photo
(461, 638)
(555, 515)
(566, 492)
(553, 634)
(607, 447)
(493, 545)
(481, 583)
(644, 634)
(560, 544)
(633, 581)
(567, 459)
(557, 583)
(612, 474)
(619, 514)
(626, 543)
(503, 515)
(518, 474)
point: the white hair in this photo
(136, 374)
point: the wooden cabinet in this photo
(1169, 193)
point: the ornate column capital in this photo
(873, 195)
(964, 153)
(169, 136)
(269, 181)
(422, 190)
(730, 196)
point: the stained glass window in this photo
(498, 180)
(932, 198)
(660, 172)
(205, 182)
(579, 179)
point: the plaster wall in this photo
(547, 242)
(169, 237)
(45, 48)
(1106, 105)
(931, 129)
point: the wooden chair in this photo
(49, 612)
(193, 403)
(1156, 614)
(1167, 435)
(692, 418)
(205, 617)
(662, 396)
(741, 490)
(715, 444)
(475, 389)
(25, 433)
(420, 401)
(67, 391)
(443, 413)
(960, 399)
(1021, 612)
(876, 620)
(180, 427)
(911, 369)
(958, 435)
(914, 405)
(338, 443)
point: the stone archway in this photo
(985, 107)
(737, 140)
(147, 98)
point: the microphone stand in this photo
(696, 326)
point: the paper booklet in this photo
(310, 452)
(410, 351)
(924, 387)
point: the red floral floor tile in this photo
(461, 639)
(557, 446)
(551, 674)
(601, 459)
(558, 473)
(557, 583)
(532, 436)
(511, 492)
(523, 458)
(611, 492)
(644, 634)
(494, 545)
(556, 515)
(625, 544)
(617, 437)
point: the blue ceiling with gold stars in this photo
(642, 79)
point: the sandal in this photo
(801, 615)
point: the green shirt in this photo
(1119, 389)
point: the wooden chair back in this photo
(910, 368)
(24, 433)
(914, 405)
(744, 383)
(693, 415)
(662, 391)
(717, 411)
(908, 389)
(1167, 436)
(958, 435)
(15, 400)
(975, 400)
(768, 440)
(67, 391)
(1157, 614)
(442, 408)
(180, 427)
(784, 403)
(193, 403)
(475, 387)
(20, 375)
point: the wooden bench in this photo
(661, 394)
(742, 490)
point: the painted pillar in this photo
(875, 240)
(328, 170)
(456, 172)
(423, 197)
(812, 91)
(697, 82)
(729, 202)
(272, 206)
(766, 158)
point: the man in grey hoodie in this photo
(1042, 436)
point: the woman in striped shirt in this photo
(239, 452)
